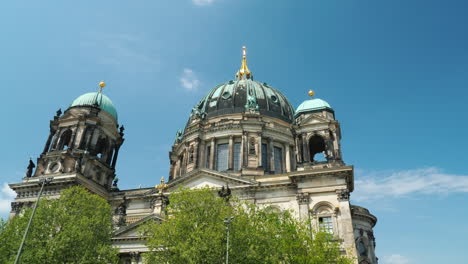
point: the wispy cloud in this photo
(395, 259)
(394, 184)
(125, 51)
(203, 2)
(6, 196)
(189, 80)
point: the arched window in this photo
(265, 160)
(222, 154)
(64, 140)
(316, 146)
(278, 156)
(325, 217)
(85, 138)
(207, 157)
(237, 149)
(101, 147)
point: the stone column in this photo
(271, 154)
(305, 149)
(231, 153)
(202, 157)
(245, 147)
(195, 153)
(55, 139)
(287, 158)
(91, 138)
(49, 139)
(212, 153)
(116, 154)
(298, 150)
(73, 138)
(259, 150)
(241, 160)
(303, 200)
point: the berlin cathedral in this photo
(243, 134)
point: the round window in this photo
(274, 99)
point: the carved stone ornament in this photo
(16, 207)
(135, 256)
(302, 198)
(343, 195)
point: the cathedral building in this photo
(244, 135)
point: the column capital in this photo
(303, 198)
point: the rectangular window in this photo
(237, 148)
(325, 224)
(222, 153)
(278, 160)
(265, 157)
(208, 154)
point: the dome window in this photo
(226, 95)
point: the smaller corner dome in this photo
(313, 105)
(96, 98)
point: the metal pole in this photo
(44, 182)
(227, 221)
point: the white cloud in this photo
(385, 184)
(6, 196)
(189, 80)
(202, 2)
(394, 259)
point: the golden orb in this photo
(102, 84)
(311, 93)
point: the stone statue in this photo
(178, 135)
(78, 164)
(30, 168)
(252, 147)
(116, 180)
(122, 129)
(225, 193)
(196, 112)
(251, 103)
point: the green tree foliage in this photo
(195, 232)
(75, 228)
(2, 225)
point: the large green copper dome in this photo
(313, 105)
(96, 98)
(243, 95)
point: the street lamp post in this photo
(43, 182)
(227, 221)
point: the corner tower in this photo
(82, 148)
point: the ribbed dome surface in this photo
(93, 99)
(240, 96)
(312, 105)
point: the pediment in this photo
(208, 178)
(131, 230)
(314, 119)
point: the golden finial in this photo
(102, 84)
(162, 186)
(244, 70)
(311, 93)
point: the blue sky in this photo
(396, 73)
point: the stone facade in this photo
(262, 151)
